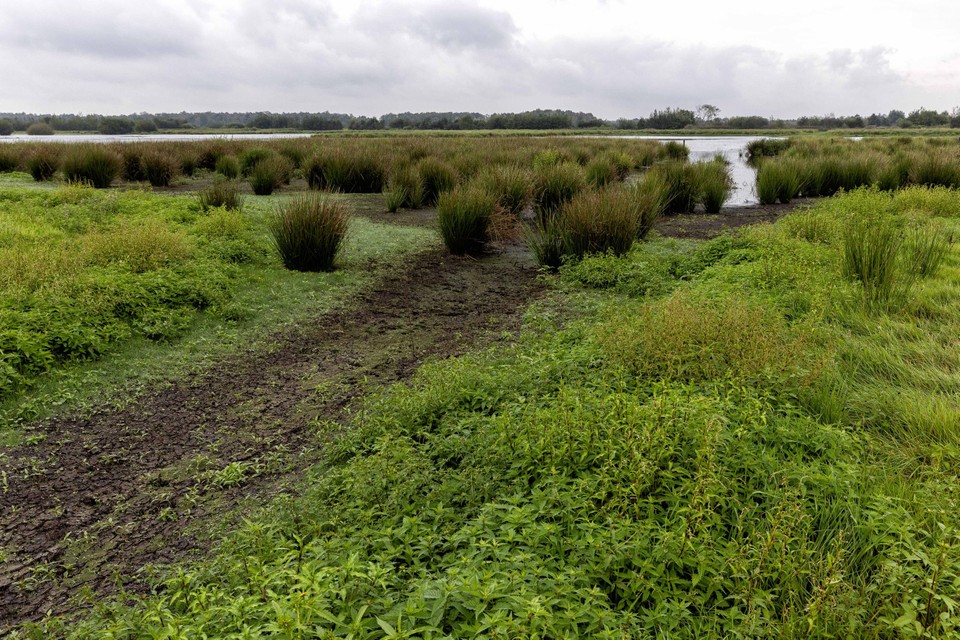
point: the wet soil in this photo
(92, 499)
(705, 226)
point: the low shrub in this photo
(39, 129)
(308, 231)
(464, 216)
(93, 164)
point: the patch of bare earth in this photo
(97, 497)
(704, 226)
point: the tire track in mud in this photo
(99, 496)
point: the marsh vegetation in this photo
(754, 435)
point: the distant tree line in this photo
(669, 119)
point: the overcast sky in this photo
(614, 58)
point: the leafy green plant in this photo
(308, 231)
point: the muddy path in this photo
(91, 500)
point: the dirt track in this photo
(98, 497)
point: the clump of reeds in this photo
(270, 174)
(352, 172)
(600, 172)
(132, 155)
(309, 231)
(870, 248)
(406, 187)
(159, 168)
(925, 249)
(684, 188)
(43, 162)
(437, 177)
(600, 221)
(715, 185)
(464, 216)
(227, 166)
(251, 158)
(221, 193)
(936, 169)
(545, 239)
(510, 184)
(8, 160)
(554, 185)
(778, 180)
(651, 194)
(92, 164)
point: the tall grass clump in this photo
(227, 166)
(554, 185)
(268, 175)
(600, 221)
(132, 157)
(870, 248)
(93, 164)
(674, 150)
(464, 216)
(925, 248)
(308, 231)
(43, 162)
(545, 239)
(8, 160)
(405, 187)
(159, 168)
(221, 193)
(252, 157)
(352, 172)
(600, 172)
(511, 185)
(936, 169)
(682, 179)
(715, 185)
(651, 194)
(437, 178)
(778, 180)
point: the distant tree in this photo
(747, 122)
(928, 118)
(320, 123)
(707, 112)
(115, 126)
(594, 123)
(363, 123)
(146, 126)
(6, 127)
(671, 119)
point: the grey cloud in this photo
(100, 29)
(453, 26)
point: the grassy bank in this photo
(736, 438)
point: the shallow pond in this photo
(733, 148)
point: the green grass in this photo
(749, 450)
(130, 283)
